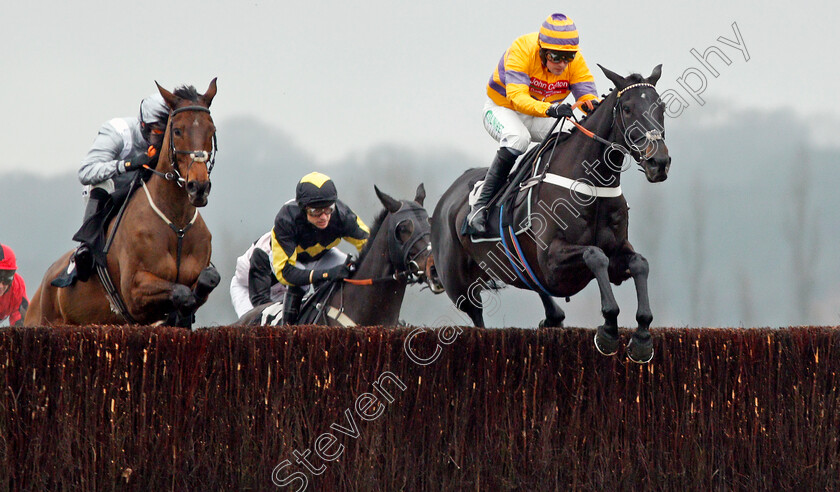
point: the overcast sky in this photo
(341, 77)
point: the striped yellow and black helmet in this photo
(315, 190)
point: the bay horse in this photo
(574, 224)
(158, 264)
(397, 253)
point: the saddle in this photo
(311, 312)
(93, 229)
(505, 208)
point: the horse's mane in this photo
(633, 78)
(187, 92)
(377, 224)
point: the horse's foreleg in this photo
(208, 279)
(554, 314)
(187, 302)
(640, 348)
(606, 339)
(150, 293)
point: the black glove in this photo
(337, 272)
(557, 110)
(137, 162)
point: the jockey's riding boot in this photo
(291, 305)
(83, 258)
(496, 175)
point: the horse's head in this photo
(639, 121)
(189, 144)
(409, 227)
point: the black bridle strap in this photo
(197, 155)
(399, 255)
(179, 232)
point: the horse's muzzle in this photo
(431, 276)
(198, 192)
(656, 168)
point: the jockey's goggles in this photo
(6, 276)
(559, 56)
(317, 212)
(155, 128)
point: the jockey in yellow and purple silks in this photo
(525, 94)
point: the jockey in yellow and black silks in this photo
(525, 93)
(304, 239)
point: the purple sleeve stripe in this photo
(501, 69)
(559, 41)
(496, 87)
(583, 88)
(517, 78)
(551, 27)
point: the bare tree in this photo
(802, 233)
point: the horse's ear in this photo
(391, 204)
(170, 98)
(420, 194)
(211, 92)
(615, 78)
(654, 76)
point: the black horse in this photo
(397, 253)
(572, 226)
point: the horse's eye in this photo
(176, 132)
(625, 108)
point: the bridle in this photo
(650, 135)
(209, 158)
(400, 255)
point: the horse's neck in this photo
(168, 197)
(583, 158)
(378, 303)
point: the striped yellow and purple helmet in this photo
(558, 32)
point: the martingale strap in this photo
(180, 233)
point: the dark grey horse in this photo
(572, 228)
(397, 253)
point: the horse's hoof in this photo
(183, 298)
(640, 349)
(208, 279)
(551, 324)
(605, 342)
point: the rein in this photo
(649, 135)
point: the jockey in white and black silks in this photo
(525, 94)
(121, 146)
(253, 281)
(304, 239)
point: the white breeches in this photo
(514, 130)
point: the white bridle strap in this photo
(582, 187)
